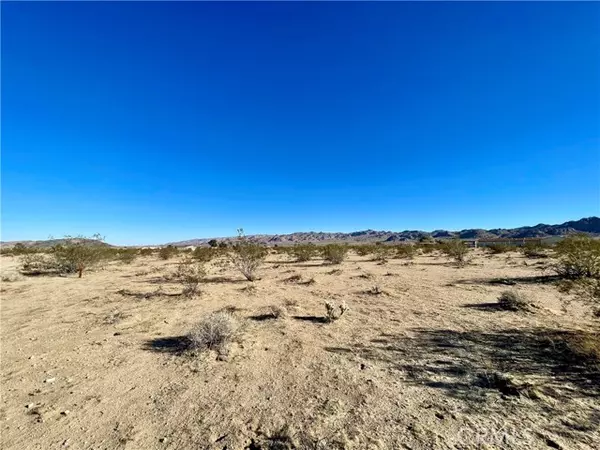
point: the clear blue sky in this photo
(156, 122)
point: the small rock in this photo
(164, 440)
(117, 334)
(65, 412)
(50, 380)
(363, 366)
(30, 405)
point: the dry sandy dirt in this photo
(85, 366)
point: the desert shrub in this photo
(334, 253)
(190, 274)
(146, 251)
(277, 312)
(578, 257)
(496, 249)
(213, 243)
(127, 256)
(426, 249)
(79, 253)
(586, 290)
(334, 312)
(167, 252)
(381, 253)
(203, 254)
(304, 252)
(215, 331)
(363, 250)
(584, 346)
(247, 256)
(513, 301)
(38, 264)
(406, 251)
(456, 250)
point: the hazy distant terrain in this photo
(587, 225)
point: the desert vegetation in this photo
(391, 345)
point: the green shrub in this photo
(247, 256)
(381, 253)
(334, 253)
(79, 253)
(146, 252)
(127, 256)
(38, 264)
(363, 250)
(457, 250)
(578, 257)
(304, 252)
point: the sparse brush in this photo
(127, 256)
(190, 274)
(332, 313)
(381, 253)
(293, 279)
(496, 249)
(10, 278)
(514, 301)
(304, 252)
(80, 253)
(586, 290)
(334, 272)
(204, 254)
(405, 251)
(214, 332)
(38, 264)
(335, 253)
(167, 252)
(578, 257)
(375, 290)
(247, 256)
(146, 251)
(362, 250)
(457, 250)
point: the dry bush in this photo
(167, 252)
(406, 251)
(332, 313)
(363, 250)
(585, 347)
(247, 256)
(586, 290)
(213, 332)
(38, 264)
(381, 253)
(204, 254)
(457, 250)
(304, 252)
(514, 301)
(146, 251)
(79, 253)
(374, 290)
(127, 256)
(334, 253)
(293, 279)
(496, 249)
(190, 274)
(578, 257)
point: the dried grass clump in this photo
(214, 332)
(277, 312)
(334, 312)
(514, 301)
(247, 256)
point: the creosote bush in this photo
(80, 253)
(578, 257)
(457, 250)
(204, 254)
(167, 252)
(304, 252)
(496, 249)
(335, 253)
(128, 255)
(213, 332)
(513, 301)
(247, 256)
(190, 274)
(334, 312)
(381, 253)
(406, 251)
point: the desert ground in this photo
(99, 362)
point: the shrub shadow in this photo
(172, 344)
(314, 319)
(511, 281)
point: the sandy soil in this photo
(87, 367)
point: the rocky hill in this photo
(590, 225)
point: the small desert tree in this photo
(80, 253)
(247, 256)
(457, 250)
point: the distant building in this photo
(513, 242)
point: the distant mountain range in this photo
(590, 225)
